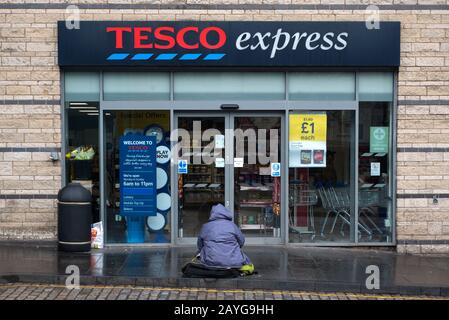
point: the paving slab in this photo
(279, 268)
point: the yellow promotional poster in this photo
(307, 140)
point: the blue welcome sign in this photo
(138, 175)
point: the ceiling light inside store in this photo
(88, 110)
(92, 114)
(83, 108)
(78, 103)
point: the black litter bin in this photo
(74, 218)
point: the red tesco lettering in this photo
(167, 37)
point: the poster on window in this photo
(138, 175)
(307, 140)
(378, 140)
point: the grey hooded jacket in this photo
(220, 241)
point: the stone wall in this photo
(30, 107)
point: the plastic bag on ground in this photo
(97, 235)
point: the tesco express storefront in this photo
(291, 125)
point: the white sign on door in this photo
(275, 169)
(219, 141)
(219, 163)
(375, 169)
(238, 162)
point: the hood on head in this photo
(220, 212)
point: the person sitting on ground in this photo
(220, 242)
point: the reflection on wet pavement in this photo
(273, 263)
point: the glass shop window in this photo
(137, 177)
(321, 86)
(229, 86)
(82, 95)
(374, 150)
(136, 86)
(376, 86)
(323, 178)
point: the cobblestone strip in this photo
(59, 292)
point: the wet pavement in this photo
(308, 269)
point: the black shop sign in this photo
(228, 44)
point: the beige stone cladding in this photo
(30, 107)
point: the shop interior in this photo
(125, 229)
(82, 160)
(257, 194)
(321, 204)
(204, 184)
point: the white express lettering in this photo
(282, 40)
(327, 41)
(313, 37)
(342, 41)
(276, 38)
(298, 36)
(261, 41)
(242, 38)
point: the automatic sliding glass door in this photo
(201, 143)
(233, 159)
(256, 174)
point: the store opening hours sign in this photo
(307, 140)
(138, 175)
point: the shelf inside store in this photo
(256, 188)
(254, 204)
(254, 227)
